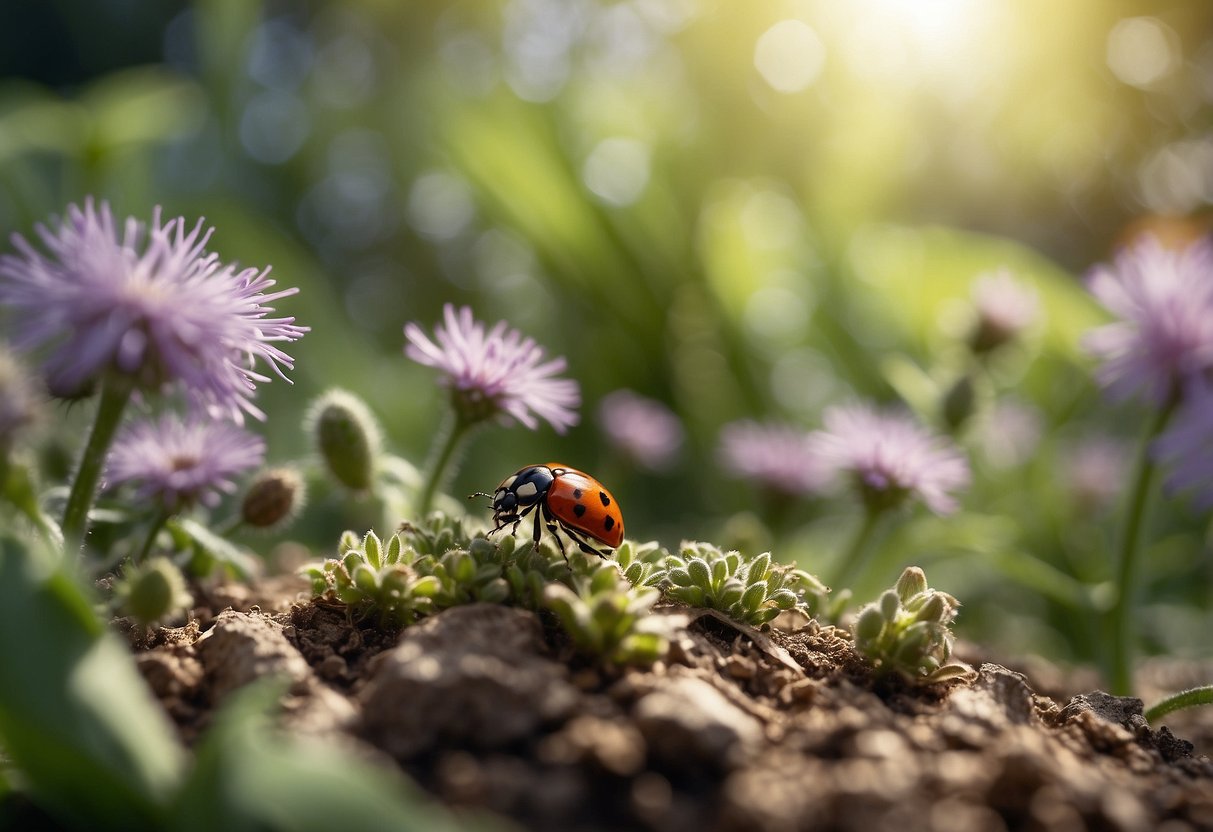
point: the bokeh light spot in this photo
(1142, 51)
(789, 56)
(440, 206)
(617, 170)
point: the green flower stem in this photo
(858, 553)
(1177, 701)
(1120, 637)
(115, 393)
(152, 532)
(447, 442)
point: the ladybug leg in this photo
(584, 544)
(550, 521)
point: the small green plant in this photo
(752, 590)
(151, 592)
(372, 577)
(607, 616)
(906, 631)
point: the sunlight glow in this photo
(789, 56)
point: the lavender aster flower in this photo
(1005, 307)
(778, 457)
(175, 462)
(891, 458)
(1187, 446)
(147, 303)
(1164, 299)
(498, 372)
(643, 429)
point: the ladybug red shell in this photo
(563, 499)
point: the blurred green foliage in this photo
(644, 189)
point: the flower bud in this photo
(273, 499)
(153, 591)
(348, 438)
(935, 609)
(889, 604)
(959, 403)
(868, 625)
(912, 581)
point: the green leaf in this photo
(758, 568)
(394, 549)
(784, 599)
(239, 561)
(426, 587)
(700, 572)
(753, 597)
(641, 648)
(682, 577)
(691, 595)
(373, 549)
(349, 542)
(75, 716)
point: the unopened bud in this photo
(868, 625)
(889, 604)
(153, 591)
(912, 581)
(959, 403)
(274, 499)
(348, 438)
(935, 609)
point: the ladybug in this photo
(563, 499)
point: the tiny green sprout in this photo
(641, 563)
(348, 438)
(373, 577)
(906, 631)
(468, 575)
(753, 590)
(437, 534)
(151, 592)
(606, 616)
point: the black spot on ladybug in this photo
(579, 509)
(576, 493)
(608, 523)
(606, 501)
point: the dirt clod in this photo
(486, 706)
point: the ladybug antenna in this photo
(479, 494)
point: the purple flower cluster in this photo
(175, 462)
(149, 303)
(891, 458)
(496, 372)
(1161, 348)
(643, 429)
(888, 458)
(780, 458)
(1005, 307)
(1163, 339)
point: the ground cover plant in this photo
(242, 583)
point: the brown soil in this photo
(488, 706)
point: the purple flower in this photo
(148, 303)
(1005, 307)
(1187, 446)
(778, 457)
(643, 429)
(495, 373)
(1164, 299)
(175, 462)
(891, 458)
